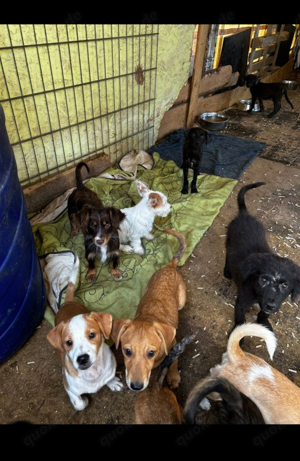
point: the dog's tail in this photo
(287, 98)
(228, 392)
(234, 408)
(173, 354)
(78, 173)
(176, 258)
(72, 280)
(249, 329)
(242, 192)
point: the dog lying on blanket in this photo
(260, 275)
(277, 398)
(147, 339)
(99, 225)
(139, 219)
(78, 337)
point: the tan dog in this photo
(275, 395)
(78, 337)
(158, 404)
(147, 339)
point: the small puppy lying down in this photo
(277, 398)
(78, 337)
(158, 404)
(232, 408)
(260, 91)
(260, 275)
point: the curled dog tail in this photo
(242, 192)
(228, 392)
(287, 98)
(173, 354)
(78, 173)
(176, 258)
(249, 329)
(72, 280)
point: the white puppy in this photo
(78, 337)
(139, 219)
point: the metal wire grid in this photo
(90, 90)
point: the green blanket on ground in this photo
(190, 215)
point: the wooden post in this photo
(200, 54)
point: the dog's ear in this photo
(296, 281)
(118, 328)
(250, 266)
(116, 216)
(54, 336)
(104, 322)
(166, 333)
(142, 188)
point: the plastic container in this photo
(22, 289)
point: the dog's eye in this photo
(69, 342)
(92, 335)
(150, 354)
(284, 286)
(128, 352)
(107, 225)
(263, 280)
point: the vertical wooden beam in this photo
(200, 54)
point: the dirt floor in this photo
(31, 382)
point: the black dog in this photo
(260, 275)
(261, 91)
(234, 408)
(99, 225)
(192, 153)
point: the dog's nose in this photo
(83, 359)
(136, 386)
(99, 241)
(271, 306)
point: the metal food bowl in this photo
(245, 104)
(290, 84)
(212, 121)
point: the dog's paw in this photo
(91, 275)
(185, 190)
(126, 248)
(116, 274)
(205, 404)
(149, 236)
(174, 380)
(79, 403)
(194, 190)
(139, 251)
(115, 384)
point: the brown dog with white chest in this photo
(79, 340)
(147, 339)
(277, 398)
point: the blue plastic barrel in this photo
(22, 289)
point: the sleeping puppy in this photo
(261, 91)
(260, 275)
(192, 154)
(234, 407)
(99, 225)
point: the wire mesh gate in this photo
(70, 91)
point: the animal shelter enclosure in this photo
(102, 94)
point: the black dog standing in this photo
(260, 275)
(192, 153)
(261, 91)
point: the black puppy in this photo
(261, 91)
(192, 153)
(234, 408)
(260, 275)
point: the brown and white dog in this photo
(99, 225)
(147, 339)
(78, 337)
(277, 398)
